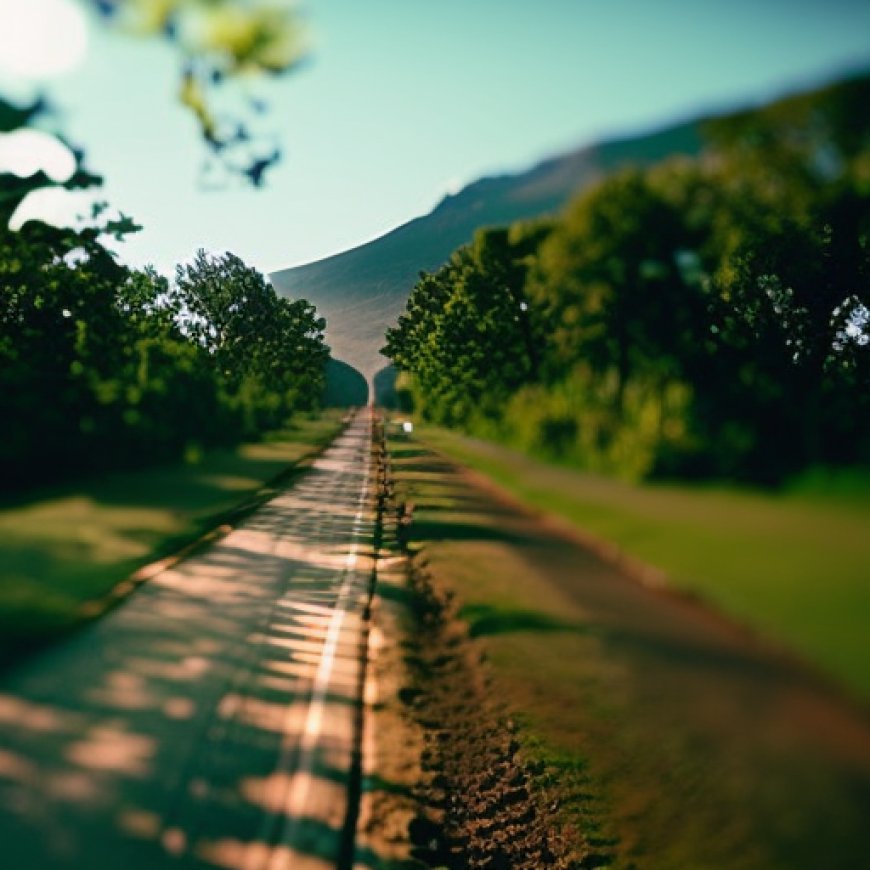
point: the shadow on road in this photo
(180, 731)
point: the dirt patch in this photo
(393, 746)
(483, 806)
(446, 783)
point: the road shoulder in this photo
(671, 739)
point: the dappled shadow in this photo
(402, 454)
(76, 543)
(209, 721)
(425, 529)
(445, 510)
(400, 595)
(487, 620)
(447, 507)
(192, 485)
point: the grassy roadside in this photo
(62, 549)
(793, 567)
(667, 741)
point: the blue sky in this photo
(404, 100)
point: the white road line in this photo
(293, 806)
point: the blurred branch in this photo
(221, 43)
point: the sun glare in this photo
(24, 152)
(53, 205)
(41, 38)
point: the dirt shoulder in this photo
(654, 733)
(445, 784)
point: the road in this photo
(211, 720)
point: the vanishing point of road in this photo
(211, 720)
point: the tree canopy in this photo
(104, 366)
(698, 317)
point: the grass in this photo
(63, 549)
(664, 746)
(792, 566)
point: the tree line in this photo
(704, 317)
(104, 366)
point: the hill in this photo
(362, 291)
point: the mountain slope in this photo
(362, 291)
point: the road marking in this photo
(295, 801)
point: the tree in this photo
(467, 335)
(102, 366)
(60, 344)
(700, 317)
(790, 263)
(267, 352)
(609, 280)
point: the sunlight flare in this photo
(41, 39)
(25, 152)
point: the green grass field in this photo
(794, 567)
(666, 746)
(64, 549)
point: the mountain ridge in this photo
(362, 291)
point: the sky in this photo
(403, 101)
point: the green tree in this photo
(611, 282)
(268, 353)
(59, 345)
(468, 336)
(706, 317)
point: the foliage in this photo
(103, 366)
(467, 334)
(99, 368)
(221, 42)
(698, 317)
(267, 352)
(14, 189)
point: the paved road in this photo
(210, 720)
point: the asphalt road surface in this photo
(212, 719)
